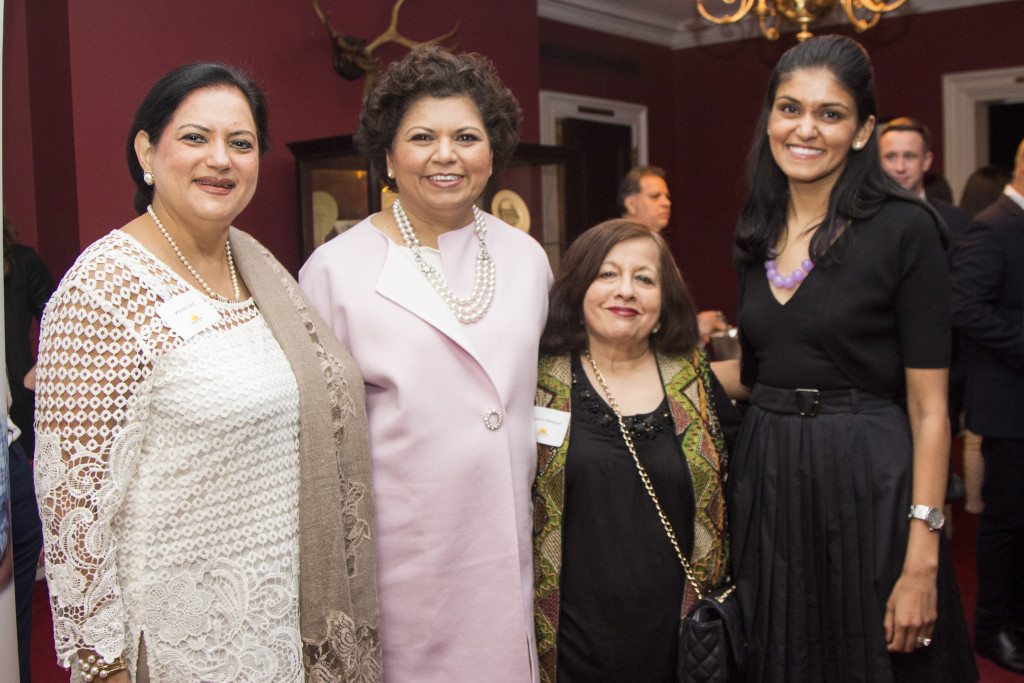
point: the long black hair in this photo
(159, 105)
(861, 188)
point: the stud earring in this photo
(657, 329)
(858, 144)
(391, 174)
(147, 178)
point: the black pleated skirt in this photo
(818, 514)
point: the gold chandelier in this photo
(863, 14)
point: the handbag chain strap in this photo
(644, 477)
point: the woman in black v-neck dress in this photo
(844, 318)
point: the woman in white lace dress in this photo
(201, 436)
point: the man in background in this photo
(988, 312)
(644, 197)
(906, 148)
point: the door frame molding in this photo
(560, 105)
(965, 117)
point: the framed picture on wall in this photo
(334, 189)
(538, 192)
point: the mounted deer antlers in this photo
(353, 57)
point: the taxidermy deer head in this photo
(353, 57)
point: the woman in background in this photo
(442, 306)
(201, 461)
(835, 493)
(27, 287)
(984, 187)
(622, 337)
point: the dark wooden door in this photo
(1005, 131)
(606, 151)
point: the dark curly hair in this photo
(431, 71)
(565, 332)
(159, 105)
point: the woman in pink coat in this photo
(442, 307)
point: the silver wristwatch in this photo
(933, 517)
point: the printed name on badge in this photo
(551, 426)
(187, 314)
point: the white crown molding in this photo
(617, 18)
(629, 18)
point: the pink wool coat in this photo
(454, 518)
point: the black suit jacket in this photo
(988, 311)
(956, 220)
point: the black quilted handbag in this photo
(711, 643)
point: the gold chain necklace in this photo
(644, 477)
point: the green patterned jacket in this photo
(687, 386)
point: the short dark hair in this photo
(164, 98)
(630, 184)
(862, 188)
(983, 187)
(431, 71)
(908, 124)
(565, 331)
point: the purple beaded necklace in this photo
(786, 281)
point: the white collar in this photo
(1018, 198)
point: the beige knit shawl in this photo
(338, 613)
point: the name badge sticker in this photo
(551, 425)
(188, 314)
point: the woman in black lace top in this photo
(610, 585)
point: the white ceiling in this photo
(676, 24)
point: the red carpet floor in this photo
(965, 527)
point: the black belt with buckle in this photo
(807, 401)
(814, 402)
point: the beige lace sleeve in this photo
(90, 409)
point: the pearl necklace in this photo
(786, 281)
(188, 266)
(473, 307)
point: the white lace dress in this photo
(167, 475)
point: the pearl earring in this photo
(391, 174)
(858, 144)
(147, 178)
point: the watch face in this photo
(935, 518)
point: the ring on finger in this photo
(924, 642)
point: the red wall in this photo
(19, 185)
(624, 69)
(91, 61)
(116, 53)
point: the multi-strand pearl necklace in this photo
(473, 307)
(188, 266)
